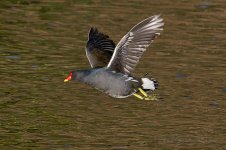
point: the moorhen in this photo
(111, 66)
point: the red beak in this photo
(68, 78)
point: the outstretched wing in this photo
(131, 47)
(99, 48)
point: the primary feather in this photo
(131, 47)
(99, 48)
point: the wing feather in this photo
(130, 48)
(99, 48)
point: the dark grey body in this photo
(113, 83)
(120, 60)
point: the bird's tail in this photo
(149, 84)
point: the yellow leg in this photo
(143, 92)
(138, 96)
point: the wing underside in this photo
(131, 47)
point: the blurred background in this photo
(41, 41)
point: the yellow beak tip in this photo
(65, 80)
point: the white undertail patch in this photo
(148, 84)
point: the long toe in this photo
(151, 98)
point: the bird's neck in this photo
(81, 74)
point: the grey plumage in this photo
(114, 78)
(115, 84)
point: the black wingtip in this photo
(92, 31)
(95, 37)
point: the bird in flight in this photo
(112, 65)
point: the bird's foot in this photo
(151, 98)
(145, 96)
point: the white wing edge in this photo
(155, 19)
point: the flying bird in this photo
(112, 65)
